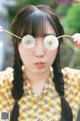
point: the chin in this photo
(40, 71)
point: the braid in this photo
(59, 85)
(17, 90)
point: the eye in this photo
(51, 42)
(28, 41)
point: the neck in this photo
(35, 78)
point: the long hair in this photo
(33, 20)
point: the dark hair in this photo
(32, 20)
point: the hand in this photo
(76, 39)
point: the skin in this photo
(37, 61)
(76, 40)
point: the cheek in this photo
(52, 55)
(24, 54)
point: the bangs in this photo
(36, 24)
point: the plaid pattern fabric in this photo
(47, 106)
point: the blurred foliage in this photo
(62, 9)
(71, 21)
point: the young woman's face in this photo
(38, 59)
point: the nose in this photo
(39, 50)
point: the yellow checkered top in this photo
(47, 106)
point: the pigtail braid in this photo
(59, 85)
(17, 90)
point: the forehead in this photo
(49, 29)
(38, 24)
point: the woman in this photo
(36, 89)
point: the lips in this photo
(40, 64)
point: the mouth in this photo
(39, 64)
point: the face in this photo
(38, 59)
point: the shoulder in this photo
(6, 76)
(6, 99)
(71, 74)
(71, 71)
(72, 88)
(71, 84)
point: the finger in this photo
(77, 45)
